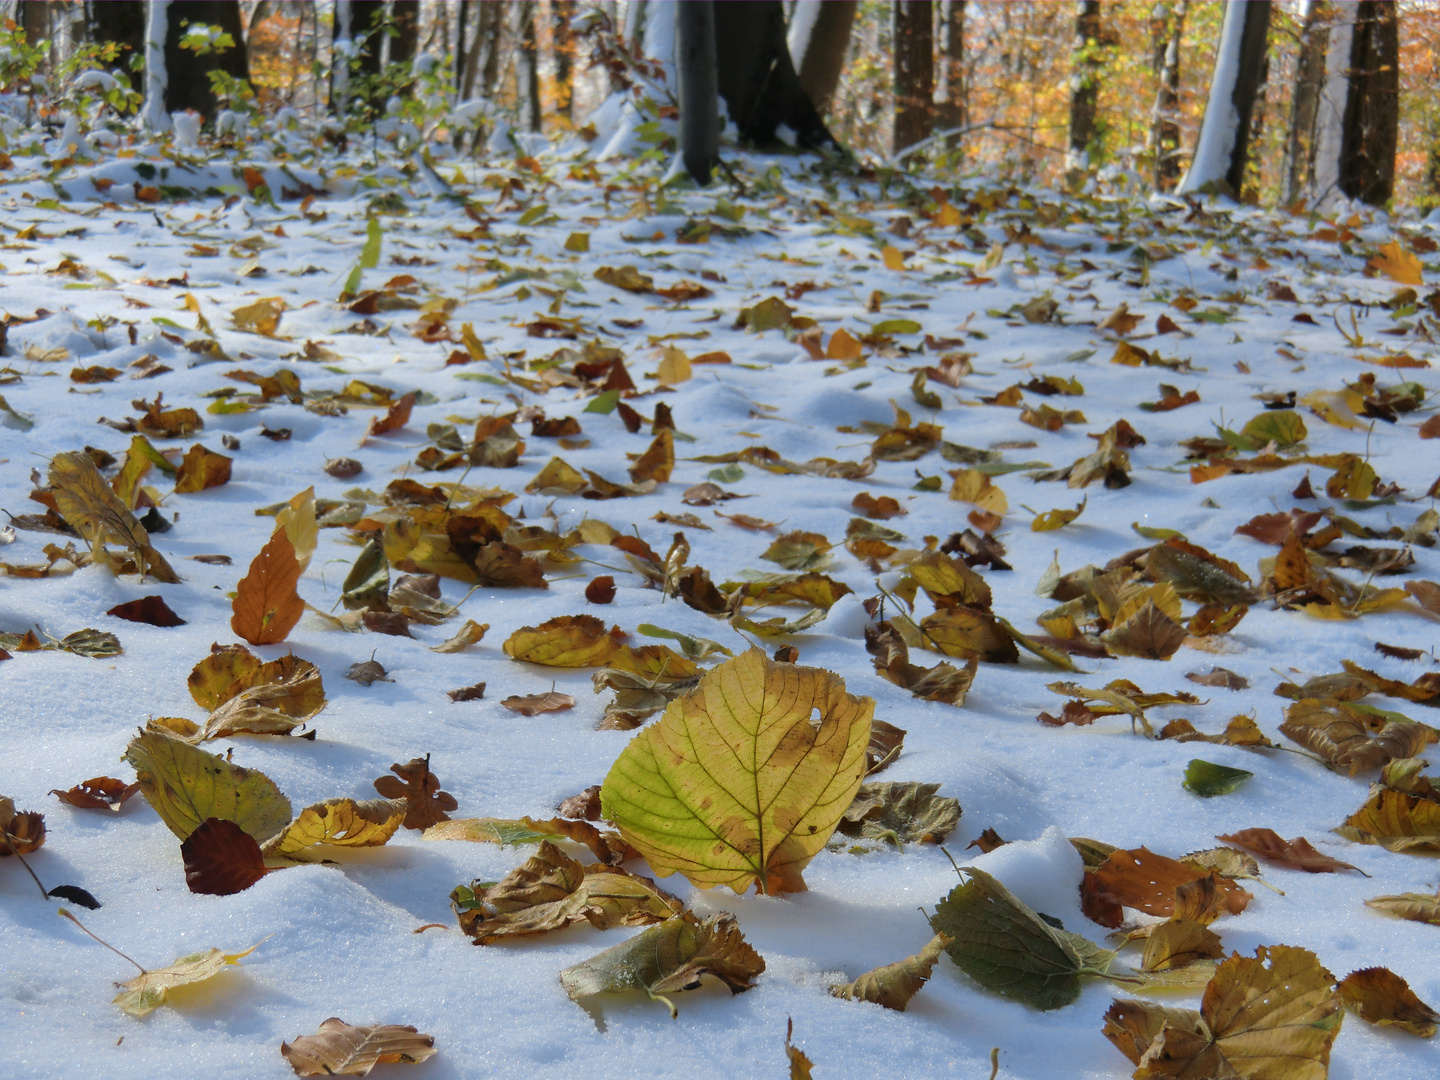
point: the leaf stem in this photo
(65, 914)
(16, 852)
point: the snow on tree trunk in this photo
(818, 39)
(756, 78)
(152, 113)
(1220, 154)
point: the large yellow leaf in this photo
(569, 641)
(744, 779)
(186, 785)
(339, 823)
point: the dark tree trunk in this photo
(563, 42)
(1254, 57)
(187, 85)
(757, 79)
(953, 106)
(1084, 81)
(366, 19)
(406, 16)
(1257, 134)
(527, 66)
(462, 42)
(482, 62)
(914, 72)
(1309, 77)
(699, 103)
(1372, 111)
(1165, 117)
(824, 58)
(120, 21)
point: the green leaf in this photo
(695, 648)
(1206, 779)
(1006, 947)
(604, 403)
(370, 253)
(1284, 427)
(727, 474)
(744, 779)
(896, 326)
(477, 376)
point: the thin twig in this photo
(65, 914)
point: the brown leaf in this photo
(395, 418)
(1297, 854)
(420, 788)
(339, 1049)
(148, 609)
(1149, 633)
(895, 984)
(1397, 821)
(943, 682)
(987, 841)
(266, 606)
(1074, 712)
(344, 468)
(221, 858)
(879, 509)
(886, 742)
(98, 793)
(1352, 741)
(534, 704)
(583, 807)
(467, 693)
(1378, 996)
(367, 672)
(601, 590)
(1219, 676)
(201, 469)
(1146, 881)
(1178, 942)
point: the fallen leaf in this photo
(943, 682)
(895, 984)
(1178, 942)
(262, 317)
(201, 469)
(759, 761)
(426, 804)
(469, 634)
(551, 890)
(338, 823)
(91, 508)
(1148, 882)
(1051, 520)
(658, 461)
(1378, 996)
(1207, 779)
(145, 993)
(1350, 741)
(534, 704)
(1397, 264)
(341, 1049)
(1273, 1015)
(568, 641)
(1007, 948)
(98, 793)
(1395, 820)
(266, 606)
(672, 956)
(187, 785)
(800, 1065)
(148, 609)
(24, 829)
(221, 858)
(1148, 633)
(367, 672)
(605, 846)
(1417, 907)
(900, 813)
(1297, 854)
(395, 418)
(1219, 676)
(975, 487)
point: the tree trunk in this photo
(120, 21)
(818, 38)
(482, 63)
(699, 102)
(1084, 84)
(562, 12)
(756, 77)
(366, 18)
(463, 43)
(1309, 78)
(1220, 154)
(405, 14)
(527, 67)
(1372, 113)
(1164, 141)
(187, 85)
(914, 72)
(952, 100)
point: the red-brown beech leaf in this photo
(148, 609)
(98, 793)
(601, 590)
(221, 858)
(266, 606)
(1297, 854)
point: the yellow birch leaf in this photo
(339, 823)
(146, 993)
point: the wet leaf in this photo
(187, 785)
(900, 813)
(426, 804)
(667, 958)
(895, 984)
(745, 777)
(146, 993)
(1297, 854)
(341, 1049)
(1378, 996)
(551, 890)
(1007, 948)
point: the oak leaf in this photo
(744, 778)
(266, 606)
(147, 992)
(551, 890)
(673, 956)
(895, 984)
(341, 1049)
(1378, 996)
(420, 788)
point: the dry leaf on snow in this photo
(569, 641)
(221, 858)
(895, 984)
(900, 813)
(534, 704)
(341, 1049)
(266, 606)
(338, 823)
(98, 793)
(1378, 996)
(1297, 854)
(146, 993)
(420, 788)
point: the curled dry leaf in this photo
(1297, 854)
(943, 682)
(584, 806)
(367, 672)
(1378, 996)
(886, 742)
(186, 785)
(469, 634)
(900, 813)
(1417, 907)
(266, 606)
(474, 692)
(1178, 942)
(1352, 741)
(91, 508)
(1219, 676)
(673, 956)
(1144, 880)
(426, 804)
(146, 993)
(608, 847)
(1006, 947)
(1397, 821)
(341, 1049)
(895, 984)
(800, 1065)
(1272, 1015)
(338, 823)
(221, 858)
(569, 641)
(551, 890)
(248, 695)
(24, 829)
(98, 793)
(743, 779)
(534, 704)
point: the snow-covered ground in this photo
(122, 281)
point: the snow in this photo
(1216, 145)
(342, 940)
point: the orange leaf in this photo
(267, 607)
(397, 417)
(1397, 264)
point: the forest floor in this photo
(968, 345)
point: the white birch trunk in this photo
(152, 112)
(1221, 126)
(1334, 95)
